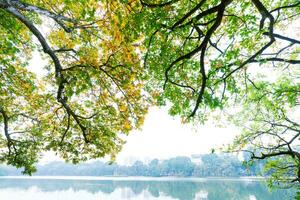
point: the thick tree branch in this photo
(265, 14)
(158, 5)
(187, 15)
(59, 19)
(285, 7)
(274, 154)
(6, 133)
(282, 37)
(61, 81)
(203, 44)
(275, 60)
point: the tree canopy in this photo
(238, 59)
(110, 60)
(93, 87)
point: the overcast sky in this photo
(163, 136)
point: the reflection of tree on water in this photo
(183, 190)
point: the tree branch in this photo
(61, 81)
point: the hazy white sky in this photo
(163, 136)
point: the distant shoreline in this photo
(138, 178)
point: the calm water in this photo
(84, 188)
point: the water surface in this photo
(136, 188)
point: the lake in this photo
(136, 188)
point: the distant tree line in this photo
(210, 165)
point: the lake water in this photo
(136, 188)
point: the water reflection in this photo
(23, 189)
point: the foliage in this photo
(200, 52)
(238, 59)
(92, 90)
(271, 128)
